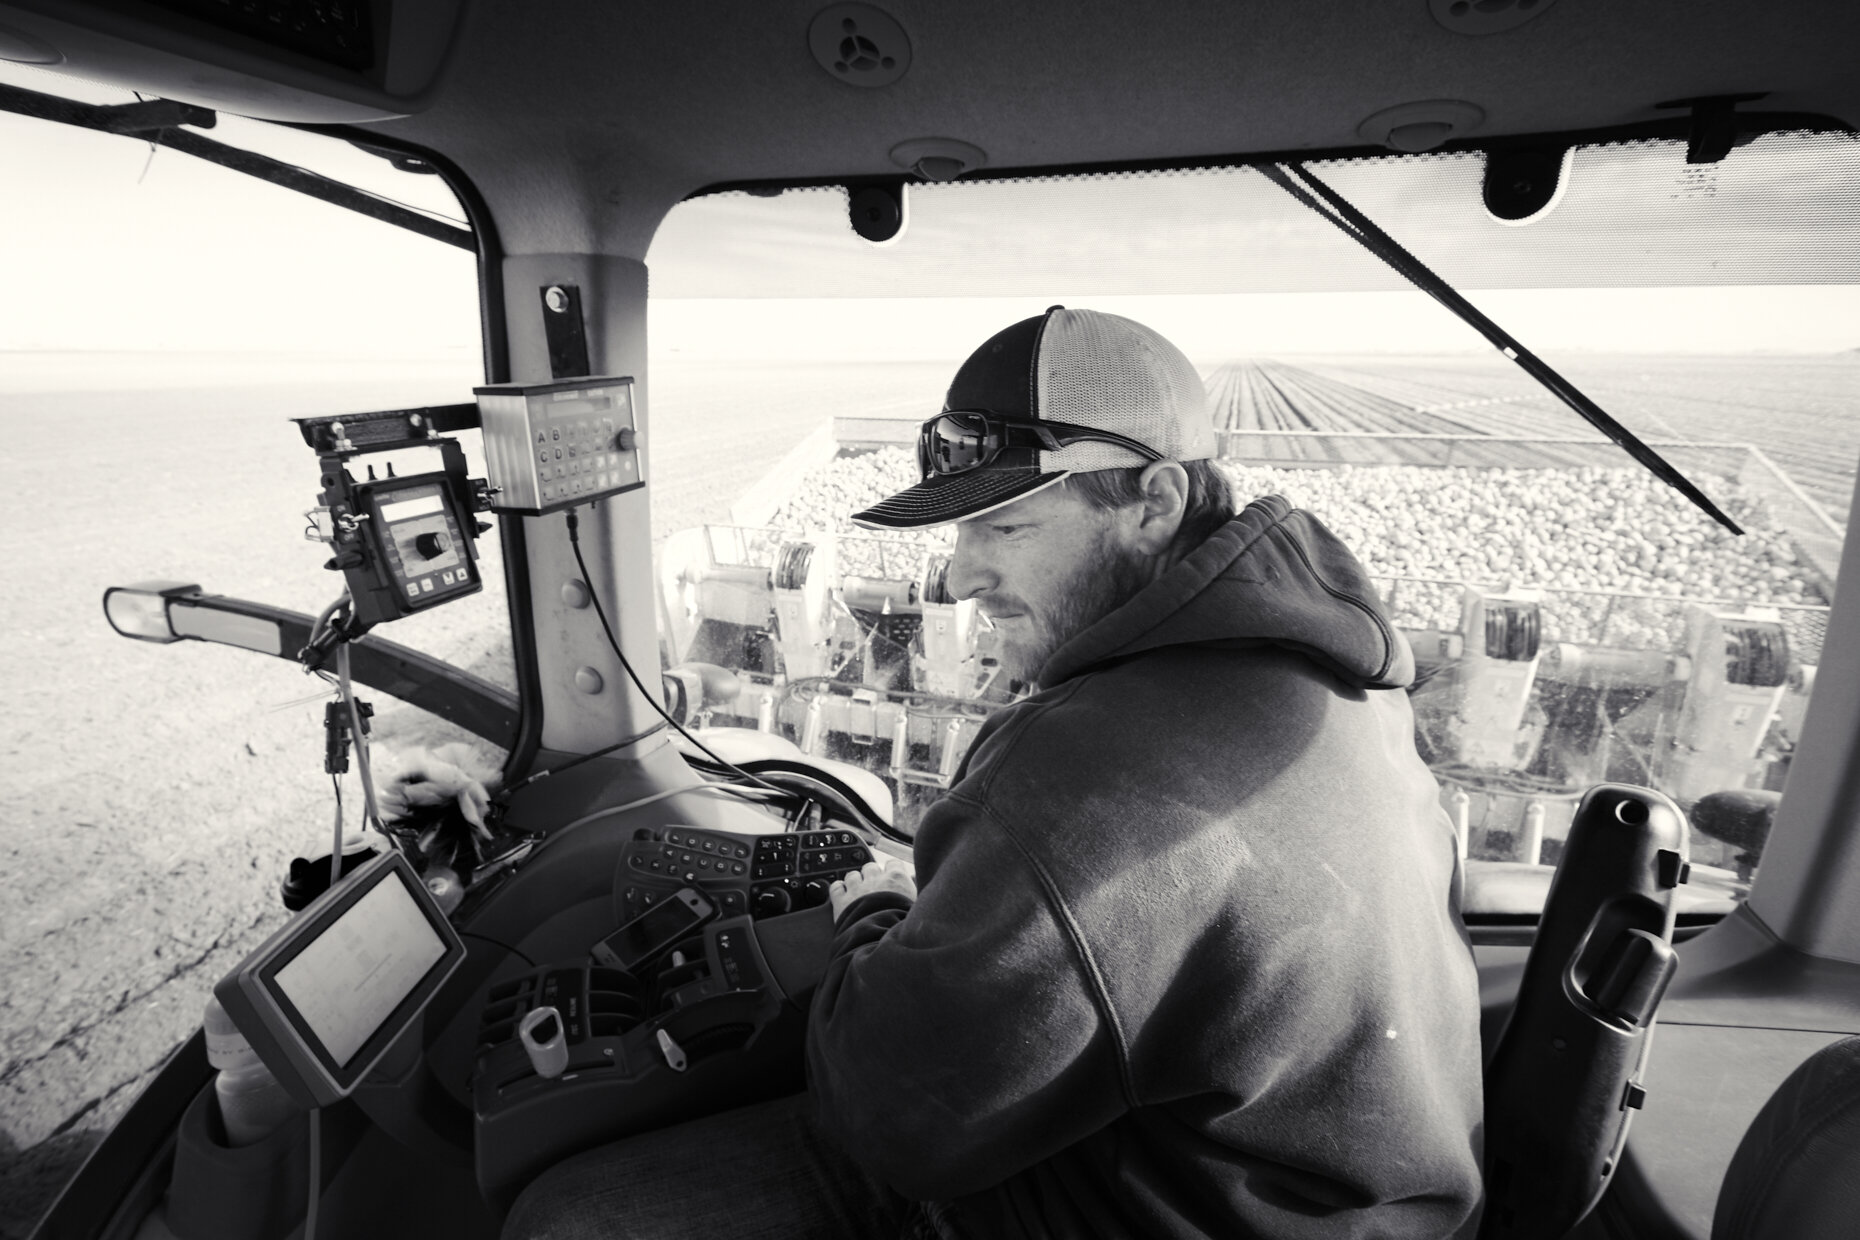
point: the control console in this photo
(575, 1054)
(695, 1003)
(757, 875)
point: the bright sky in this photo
(1210, 328)
(105, 248)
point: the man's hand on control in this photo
(419, 780)
(888, 874)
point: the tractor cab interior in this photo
(1547, 309)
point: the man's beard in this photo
(1101, 583)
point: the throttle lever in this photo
(545, 1041)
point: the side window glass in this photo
(162, 320)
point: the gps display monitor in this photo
(323, 998)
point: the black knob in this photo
(432, 544)
(771, 902)
(813, 892)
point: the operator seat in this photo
(1796, 1173)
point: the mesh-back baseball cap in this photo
(1080, 367)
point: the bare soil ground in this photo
(1801, 411)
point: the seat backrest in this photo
(1796, 1174)
(1560, 1082)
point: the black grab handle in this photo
(1562, 1080)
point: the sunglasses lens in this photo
(953, 443)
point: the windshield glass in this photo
(1574, 619)
(162, 320)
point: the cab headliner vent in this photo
(859, 44)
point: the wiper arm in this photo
(156, 121)
(1301, 183)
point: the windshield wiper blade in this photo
(1301, 183)
(153, 121)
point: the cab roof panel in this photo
(582, 122)
(644, 104)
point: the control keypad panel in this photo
(552, 446)
(763, 875)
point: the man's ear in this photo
(1164, 485)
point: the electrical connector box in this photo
(552, 446)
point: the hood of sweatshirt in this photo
(1274, 575)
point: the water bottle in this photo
(253, 1105)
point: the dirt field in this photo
(1804, 412)
(155, 794)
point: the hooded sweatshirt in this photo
(1186, 957)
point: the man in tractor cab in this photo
(1183, 955)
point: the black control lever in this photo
(1563, 1077)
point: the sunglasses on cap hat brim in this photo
(959, 440)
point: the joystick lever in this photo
(674, 1053)
(545, 1041)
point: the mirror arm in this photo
(414, 677)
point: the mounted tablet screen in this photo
(326, 995)
(348, 980)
